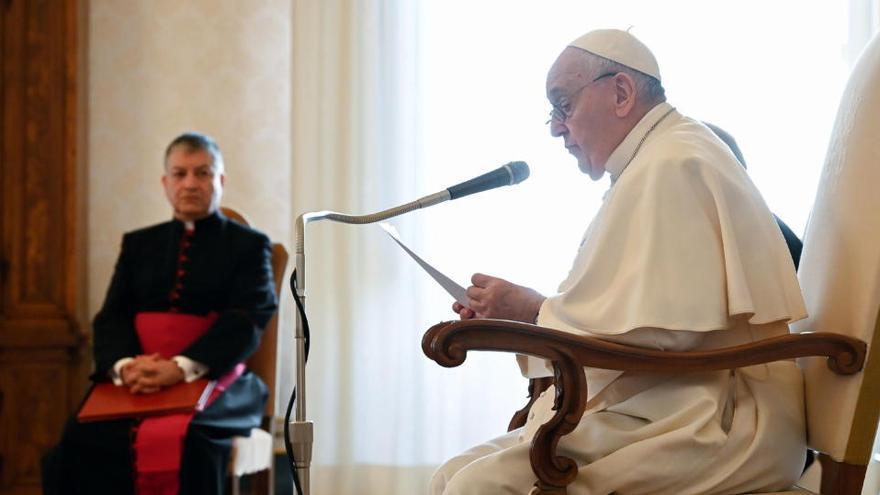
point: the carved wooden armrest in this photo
(447, 343)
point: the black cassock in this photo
(223, 267)
(795, 246)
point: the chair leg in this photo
(270, 489)
(841, 478)
(263, 482)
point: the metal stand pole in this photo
(301, 430)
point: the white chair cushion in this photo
(251, 454)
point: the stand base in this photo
(301, 439)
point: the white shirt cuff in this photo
(192, 370)
(116, 371)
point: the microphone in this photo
(507, 175)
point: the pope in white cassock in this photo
(683, 255)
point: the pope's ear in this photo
(625, 94)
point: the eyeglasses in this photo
(560, 113)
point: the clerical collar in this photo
(209, 222)
(629, 147)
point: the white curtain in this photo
(378, 413)
(395, 99)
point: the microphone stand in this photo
(302, 430)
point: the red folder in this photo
(108, 401)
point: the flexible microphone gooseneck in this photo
(506, 175)
(301, 431)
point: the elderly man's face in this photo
(585, 102)
(192, 184)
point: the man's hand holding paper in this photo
(488, 297)
(493, 297)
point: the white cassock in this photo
(683, 254)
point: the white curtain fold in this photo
(355, 150)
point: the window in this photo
(770, 73)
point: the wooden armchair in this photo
(254, 454)
(840, 277)
(447, 343)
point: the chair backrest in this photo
(264, 361)
(840, 271)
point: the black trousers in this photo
(96, 458)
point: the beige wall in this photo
(160, 67)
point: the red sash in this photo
(158, 444)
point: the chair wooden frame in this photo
(447, 343)
(264, 360)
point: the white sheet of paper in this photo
(454, 290)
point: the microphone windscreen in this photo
(519, 172)
(506, 175)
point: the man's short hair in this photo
(649, 87)
(196, 141)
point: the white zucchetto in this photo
(621, 47)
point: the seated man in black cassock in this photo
(189, 298)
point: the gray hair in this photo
(650, 87)
(196, 141)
